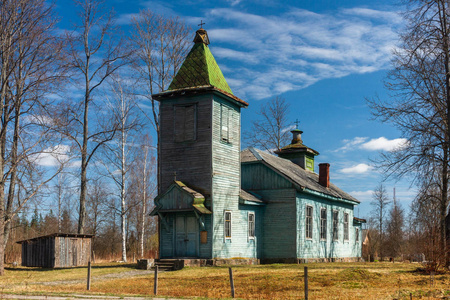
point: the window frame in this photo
(335, 231)
(346, 227)
(228, 110)
(227, 227)
(323, 224)
(309, 229)
(357, 234)
(251, 232)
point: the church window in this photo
(225, 120)
(309, 222)
(227, 227)
(335, 225)
(323, 224)
(357, 234)
(346, 227)
(251, 225)
(185, 123)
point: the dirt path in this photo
(129, 274)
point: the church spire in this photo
(200, 69)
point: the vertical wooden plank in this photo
(155, 284)
(89, 277)
(230, 271)
(306, 283)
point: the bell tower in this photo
(199, 142)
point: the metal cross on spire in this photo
(296, 123)
(201, 24)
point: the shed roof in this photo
(250, 196)
(303, 178)
(58, 234)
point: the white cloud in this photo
(53, 156)
(299, 48)
(358, 169)
(351, 144)
(376, 144)
(383, 143)
(362, 195)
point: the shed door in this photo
(186, 236)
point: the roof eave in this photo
(198, 90)
(317, 193)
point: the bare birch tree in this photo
(161, 46)
(142, 188)
(30, 59)
(271, 130)
(96, 50)
(124, 110)
(420, 100)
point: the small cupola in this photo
(297, 152)
(201, 36)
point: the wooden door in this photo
(186, 236)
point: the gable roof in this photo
(306, 180)
(198, 200)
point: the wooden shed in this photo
(57, 250)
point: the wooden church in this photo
(216, 202)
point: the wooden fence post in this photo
(155, 285)
(231, 282)
(306, 283)
(89, 276)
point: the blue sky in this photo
(324, 57)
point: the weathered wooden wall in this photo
(191, 160)
(39, 253)
(226, 184)
(284, 218)
(328, 248)
(72, 252)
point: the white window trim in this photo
(312, 221)
(335, 238)
(224, 226)
(249, 238)
(357, 234)
(226, 139)
(326, 223)
(348, 227)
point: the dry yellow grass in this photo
(326, 281)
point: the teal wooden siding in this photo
(256, 176)
(279, 221)
(226, 183)
(328, 248)
(205, 250)
(252, 247)
(166, 239)
(176, 199)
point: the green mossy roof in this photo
(199, 69)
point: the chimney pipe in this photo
(324, 174)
